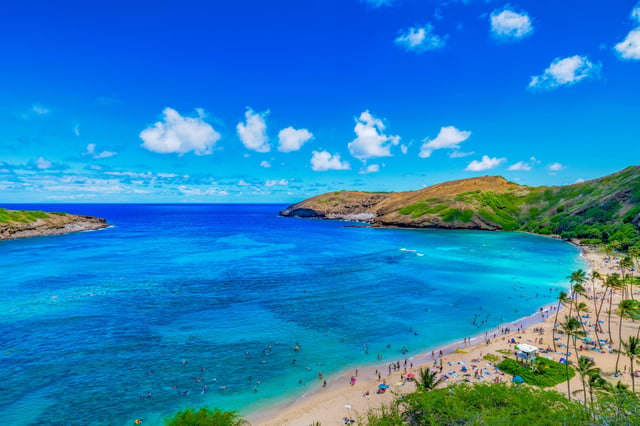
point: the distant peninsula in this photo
(602, 210)
(24, 224)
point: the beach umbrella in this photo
(587, 339)
(517, 379)
(383, 386)
(410, 376)
(562, 361)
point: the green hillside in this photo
(24, 216)
(600, 211)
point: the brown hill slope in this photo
(601, 209)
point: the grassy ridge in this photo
(600, 211)
(24, 216)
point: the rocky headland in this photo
(599, 209)
(24, 224)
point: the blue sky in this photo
(276, 101)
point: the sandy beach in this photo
(462, 361)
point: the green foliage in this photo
(205, 417)
(619, 407)
(491, 358)
(546, 372)
(492, 404)
(422, 208)
(25, 216)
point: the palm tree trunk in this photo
(610, 308)
(633, 376)
(595, 299)
(620, 342)
(553, 331)
(566, 365)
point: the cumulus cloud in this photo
(43, 164)
(266, 164)
(291, 139)
(91, 151)
(520, 166)
(508, 25)
(371, 168)
(556, 167)
(565, 72)
(76, 130)
(179, 135)
(420, 39)
(253, 132)
(486, 163)
(321, 161)
(370, 141)
(629, 48)
(448, 138)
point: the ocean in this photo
(232, 306)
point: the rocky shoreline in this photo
(54, 224)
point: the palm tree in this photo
(571, 327)
(596, 382)
(632, 350)
(428, 380)
(586, 368)
(595, 275)
(563, 300)
(613, 283)
(626, 309)
(580, 309)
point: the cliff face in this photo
(604, 209)
(50, 224)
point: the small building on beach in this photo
(526, 353)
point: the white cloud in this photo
(266, 164)
(371, 168)
(40, 110)
(91, 151)
(242, 182)
(43, 164)
(290, 139)
(253, 132)
(76, 130)
(486, 163)
(178, 134)
(579, 180)
(565, 72)
(370, 141)
(520, 166)
(321, 161)
(404, 148)
(460, 154)
(556, 167)
(448, 138)
(510, 25)
(629, 48)
(281, 182)
(635, 13)
(420, 39)
(378, 3)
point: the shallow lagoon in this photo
(189, 305)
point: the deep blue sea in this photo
(192, 305)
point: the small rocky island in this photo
(24, 224)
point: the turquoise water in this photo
(191, 305)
